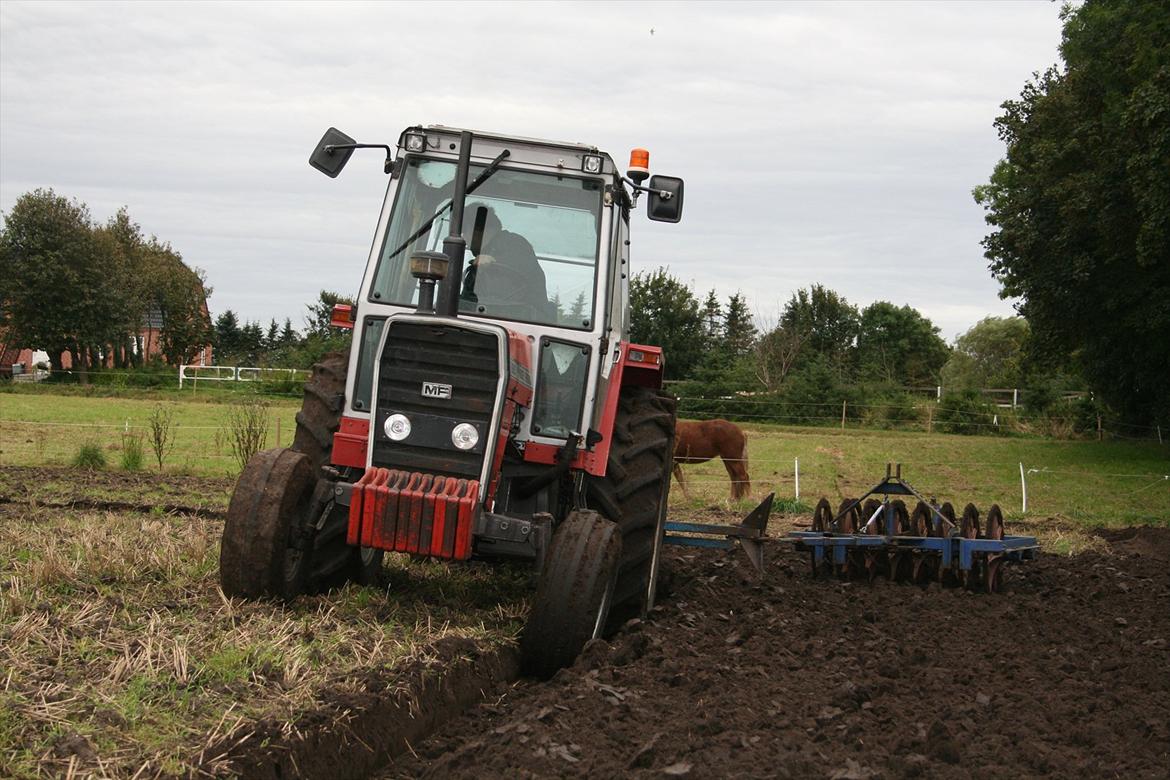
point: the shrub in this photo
(161, 430)
(247, 429)
(90, 456)
(965, 412)
(133, 450)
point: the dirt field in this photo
(1064, 675)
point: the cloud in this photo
(831, 143)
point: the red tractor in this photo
(491, 405)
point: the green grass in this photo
(44, 428)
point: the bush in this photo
(90, 456)
(247, 429)
(967, 413)
(162, 432)
(133, 450)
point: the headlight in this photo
(416, 142)
(464, 436)
(397, 427)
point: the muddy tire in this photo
(332, 562)
(259, 555)
(633, 494)
(574, 595)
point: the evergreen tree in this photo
(739, 332)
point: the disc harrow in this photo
(874, 537)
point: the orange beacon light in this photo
(639, 169)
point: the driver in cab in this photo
(505, 269)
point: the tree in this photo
(61, 281)
(288, 336)
(228, 337)
(272, 337)
(712, 320)
(990, 354)
(896, 344)
(317, 323)
(1080, 205)
(822, 323)
(664, 312)
(739, 332)
(180, 294)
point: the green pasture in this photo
(48, 429)
(1085, 482)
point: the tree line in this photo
(70, 284)
(280, 345)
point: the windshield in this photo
(532, 242)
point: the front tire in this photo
(260, 554)
(574, 595)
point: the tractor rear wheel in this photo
(633, 494)
(575, 592)
(260, 555)
(331, 560)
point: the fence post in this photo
(929, 418)
(938, 393)
(278, 431)
(1023, 490)
(1159, 434)
(796, 465)
(1100, 433)
(1015, 397)
(843, 403)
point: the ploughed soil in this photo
(1067, 673)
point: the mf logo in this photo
(436, 390)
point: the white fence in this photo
(195, 374)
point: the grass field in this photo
(1086, 482)
(48, 428)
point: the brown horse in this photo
(697, 442)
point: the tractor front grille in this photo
(423, 354)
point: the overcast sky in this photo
(831, 143)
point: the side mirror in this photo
(328, 160)
(668, 208)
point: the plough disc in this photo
(921, 525)
(849, 522)
(822, 517)
(994, 578)
(902, 563)
(969, 529)
(870, 561)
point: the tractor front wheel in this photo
(261, 555)
(575, 593)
